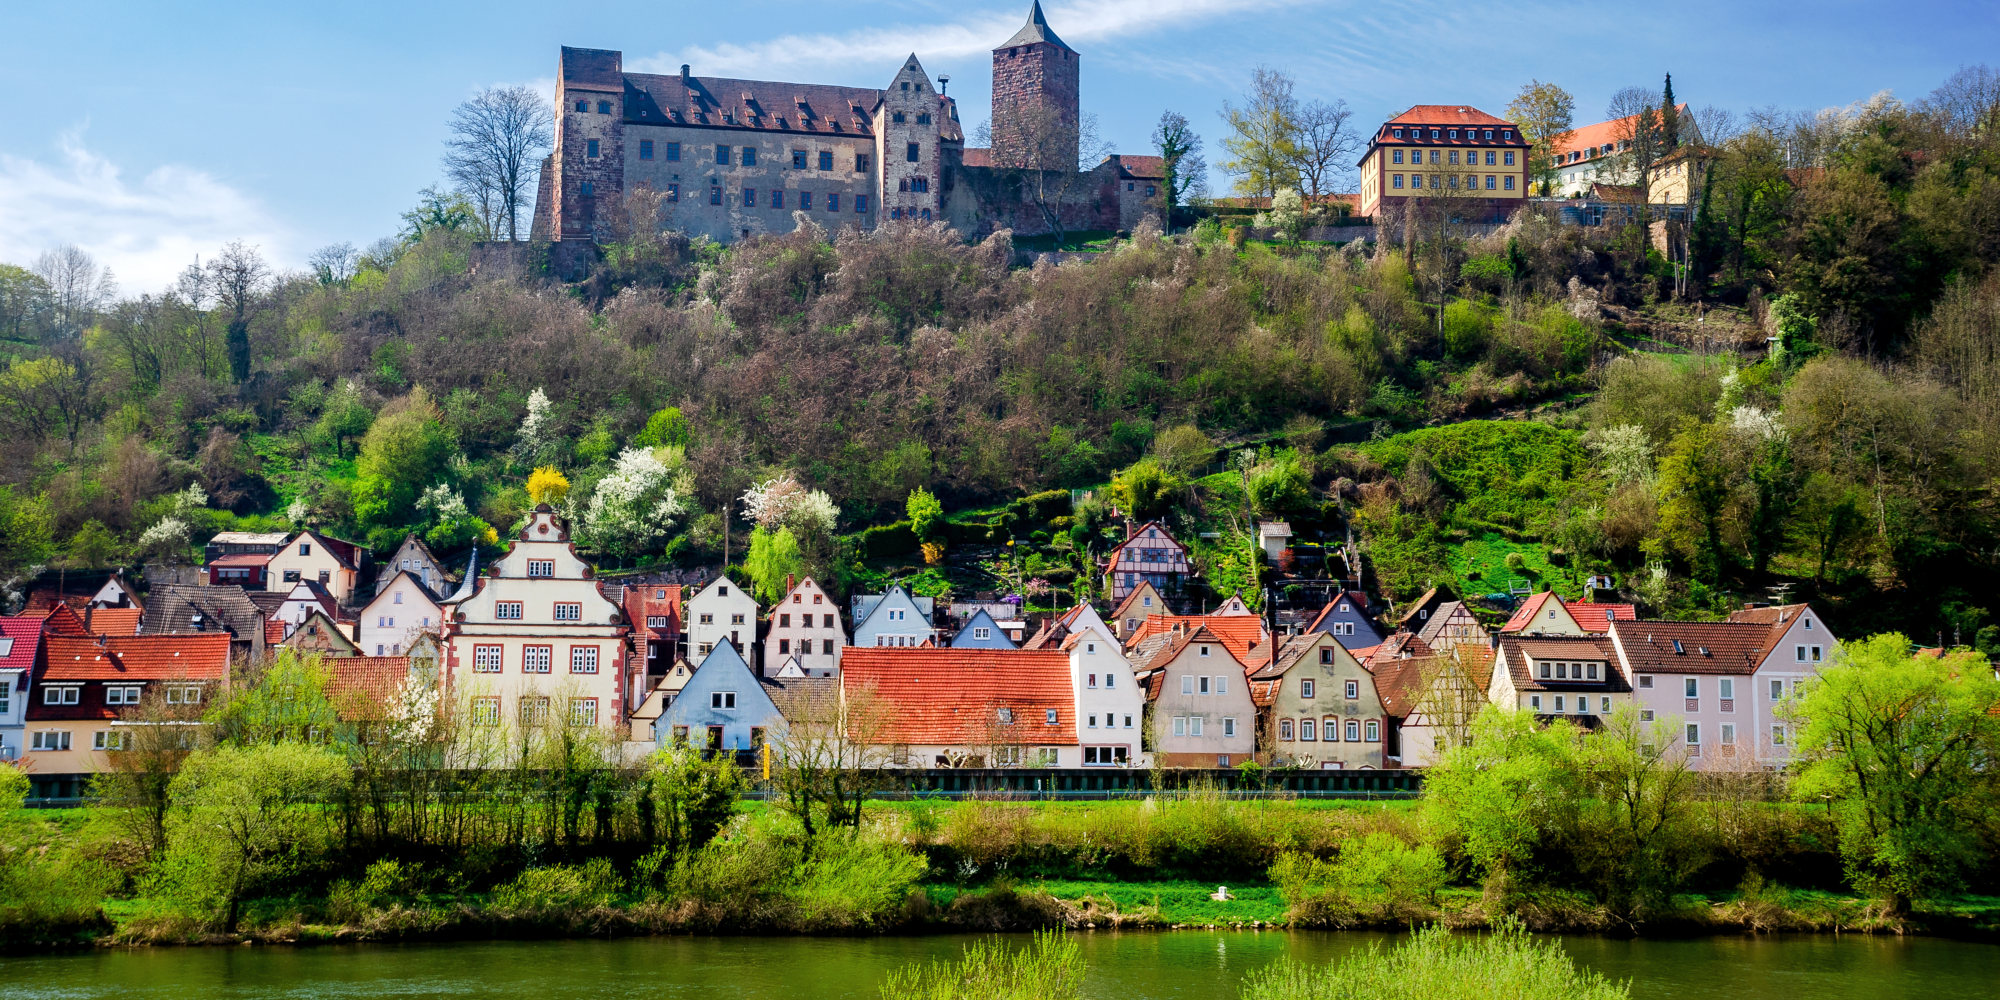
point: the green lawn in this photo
(1173, 902)
(1479, 566)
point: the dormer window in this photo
(1006, 716)
(1051, 716)
(1678, 648)
(1399, 133)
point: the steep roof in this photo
(948, 697)
(1036, 30)
(1597, 618)
(1519, 650)
(347, 553)
(1242, 635)
(653, 600)
(20, 638)
(1663, 647)
(1400, 646)
(365, 687)
(1397, 683)
(1144, 587)
(1139, 168)
(113, 621)
(1111, 558)
(170, 607)
(137, 657)
(1587, 139)
(1357, 601)
(763, 105)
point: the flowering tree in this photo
(169, 536)
(547, 485)
(451, 523)
(785, 502)
(636, 504)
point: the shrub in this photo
(885, 540)
(555, 887)
(852, 882)
(1437, 965)
(1466, 328)
(1049, 968)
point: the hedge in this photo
(888, 540)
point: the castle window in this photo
(673, 151)
(833, 201)
(603, 107)
(896, 116)
(645, 149)
(1489, 182)
(920, 184)
(588, 189)
(1452, 157)
(895, 213)
(722, 155)
(1434, 156)
(906, 84)
(860, 163)
(777, 198)
(583, 106)
(1152, 190)
(749, 156)
(861, 204)
(923, 119)
(1509, 158)
(805, 199)
(798, 159)
(1434, 133)
(590, 149)
(826, 159)
(1489, 135)
(1128, 185)
(715, 194)
(673, 192)
(927, 215)
(749, 197)
(912, 153)
(903, 185)
(1452, 133)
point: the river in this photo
(1130, 966)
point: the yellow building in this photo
(1446, 151)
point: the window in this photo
(1306, 687)
(1434, 135)
(533, 711)
(1728, 734)
(777, 198)
(722, 155)
(121, 694)
(1725, 688)
(568, 611)
(749, 156)
(1050, 717)
(1396, 156)
(1194, 725)
(1353, 690)
(60, 695)
(1777, 736)
(1180, 725)
(1489, 156)
(583, 711)
(1692, 688)
(1285, 730)
(833, 201)
(1694, 733)
(1399, 132)
(749, 197)
(1093, 722)
(305, 548)
(1604, 705)
(583, 106)
(1777, 690)
(673, 151)
(118, 740)
(291, 576)
(486, 659)
(1815, 654)
(1508, 159)
(1203, 649)
(1202, 683)
(1307, 732)
(722, 701)
(1559, 703)
(1535, 702)
(1645, 680)
(1592, 668)
(1396, 180)
(1508, 181)
(826, 159)
(897, 116)
(1645, 715)
(184, 695)
(542, 567)
(921, 185)
(798, 159)
(1353, 729)
(805, 199)
(983, 632)
(1374, 731)
(54, 739)
(673, 192)
(1222, 684)
(1451, 156)
(1490, 179)
(861, 163)
(1006, 716)
(715, 194)
(536, 659)
(590, 148)
(1228, 725)
(861, 204)
(1545, 670)
(912, 153)
(603, 107)
(583, 659)
(486, 711)
(1128, 722)
(827, 619)
(645, 149)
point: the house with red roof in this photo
(1319, 707)
(1546, 613)
(1149, 554)
(1110, 701)
(1574, 677)
(944, 707)
(1143, 601)
(20, 647)
(1199, 686)
(1453, 157)
(311, 556)
(90, 686)
(1430, 701)
(1599, 154)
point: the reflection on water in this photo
(1181, 965)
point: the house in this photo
(940, 707)
(805, 625)
(1417, 613)
(308, 555)
(1110, 704)
(239, 558)
(1574, 677)
(1346, 618)
(721, 611)
(415, 558)
(1245, 635)
(20, 647)
(1398, 646)
(112, 621)
(653, 613)
(1725, 683)
(79, 590)
(1275, 538)
(1141, 603)
(1203, 715)
(404, 607)
(90, 686)
(981, 632)
(1546, 613)
(896, 618)
(1599, 154)
(1445, 155)
(1430, 701)
(369, 690)
(1148, 554)
(538, 636)
(179, 609)
(1451, 624)
(1320, 707)
(724, 706)
(302, 599)
(319, 634)
(1055, 631)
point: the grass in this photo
(1479, 565)
(1171, 903)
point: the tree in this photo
(547, 485)
(695, 796)
(25, 302)
(665, 427)
(345, 416)
(405, 451)
(821, 758)
(1641, 142)
(1634, 839)
(1544, 113)
(1287, 214)
(1145, 490)
(926, 514)
(495, 146)
(334, 263)
(1699, 477)
(1503, 790)
(1046, 155)
(1183, 449)
(77, 288)
(135, 783)
(1322, 146)
(239, 814)
(633, 507)
(237, 275)
(773, 560)
(1184, 171)
(1261, 144)
(443, 212)
(1439, 964)
(1900, 746)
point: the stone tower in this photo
(589, 158)
(1035, 106)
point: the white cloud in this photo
(146, 230)
(977, 34)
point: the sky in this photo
(150, 134)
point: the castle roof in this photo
(1036, 30)
(763, 105)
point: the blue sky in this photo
(149, 133)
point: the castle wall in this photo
(708, 197)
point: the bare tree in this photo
(334, 263)
(237, 274)
(497, 140)
(1322, 146)
(822, 758)
(77, 287)
(1045, 154)
(1641, 142)
(1183, 169)
(1262, 133)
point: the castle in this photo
(731, 159)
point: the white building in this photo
(718, 612)
(805, 625)
(401, 610)
(1110, 705)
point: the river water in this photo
(1130, 966)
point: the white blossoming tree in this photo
(784, 502)
(451, 523)
(537, 427)
(169, 537)
(635, 505)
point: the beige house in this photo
(1142, 603)
(1320, 706)
(308, 555)
(402, 609)
(1572, 677)
(1202, 712)
(538, 637)
(1450, 624)
(805, 625)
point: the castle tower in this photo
(1035, 106)
(589, 158)
(909, 145)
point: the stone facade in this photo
(1036, 74)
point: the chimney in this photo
(684, 74)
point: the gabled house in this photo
(981, 632)
(1143, 601)
(310, 556)
(1110, 704)
(1057, 630)
(1559, 677)
(1203, 715)
(369, 690)
(177, 609)
(415, 558)
(302, 599)
(90, 685)
(937, 707)
(1417, 613)
(319, 634)
(1320, 707)
(1452, 624)
(1149, 554)
(403, 608)
(80, 591)
(1346, 618)
(1431, 701)
(805, 626)
(894, 619)
(720, 612)
(724, 707)
(653, 611)
(538, 637)
(20, 648)
(1546, 613)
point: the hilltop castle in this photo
(731, 158)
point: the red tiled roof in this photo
(274, 631)
(365, 687)
(1529, 610)
(1599, 135)
(640, 604)
(1780, 614)
(1446, 115)
(26, 631)
(1119, 611)
(241, 559)
(1400, 646)
(1519, 650)
(1141, 167)
(1396, 682)
(138, 657)
(62, 620)
(1705, 647)
(1597, 618)
(1242, 635)
(945, 696)
(113, 621)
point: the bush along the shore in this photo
(287, 826)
